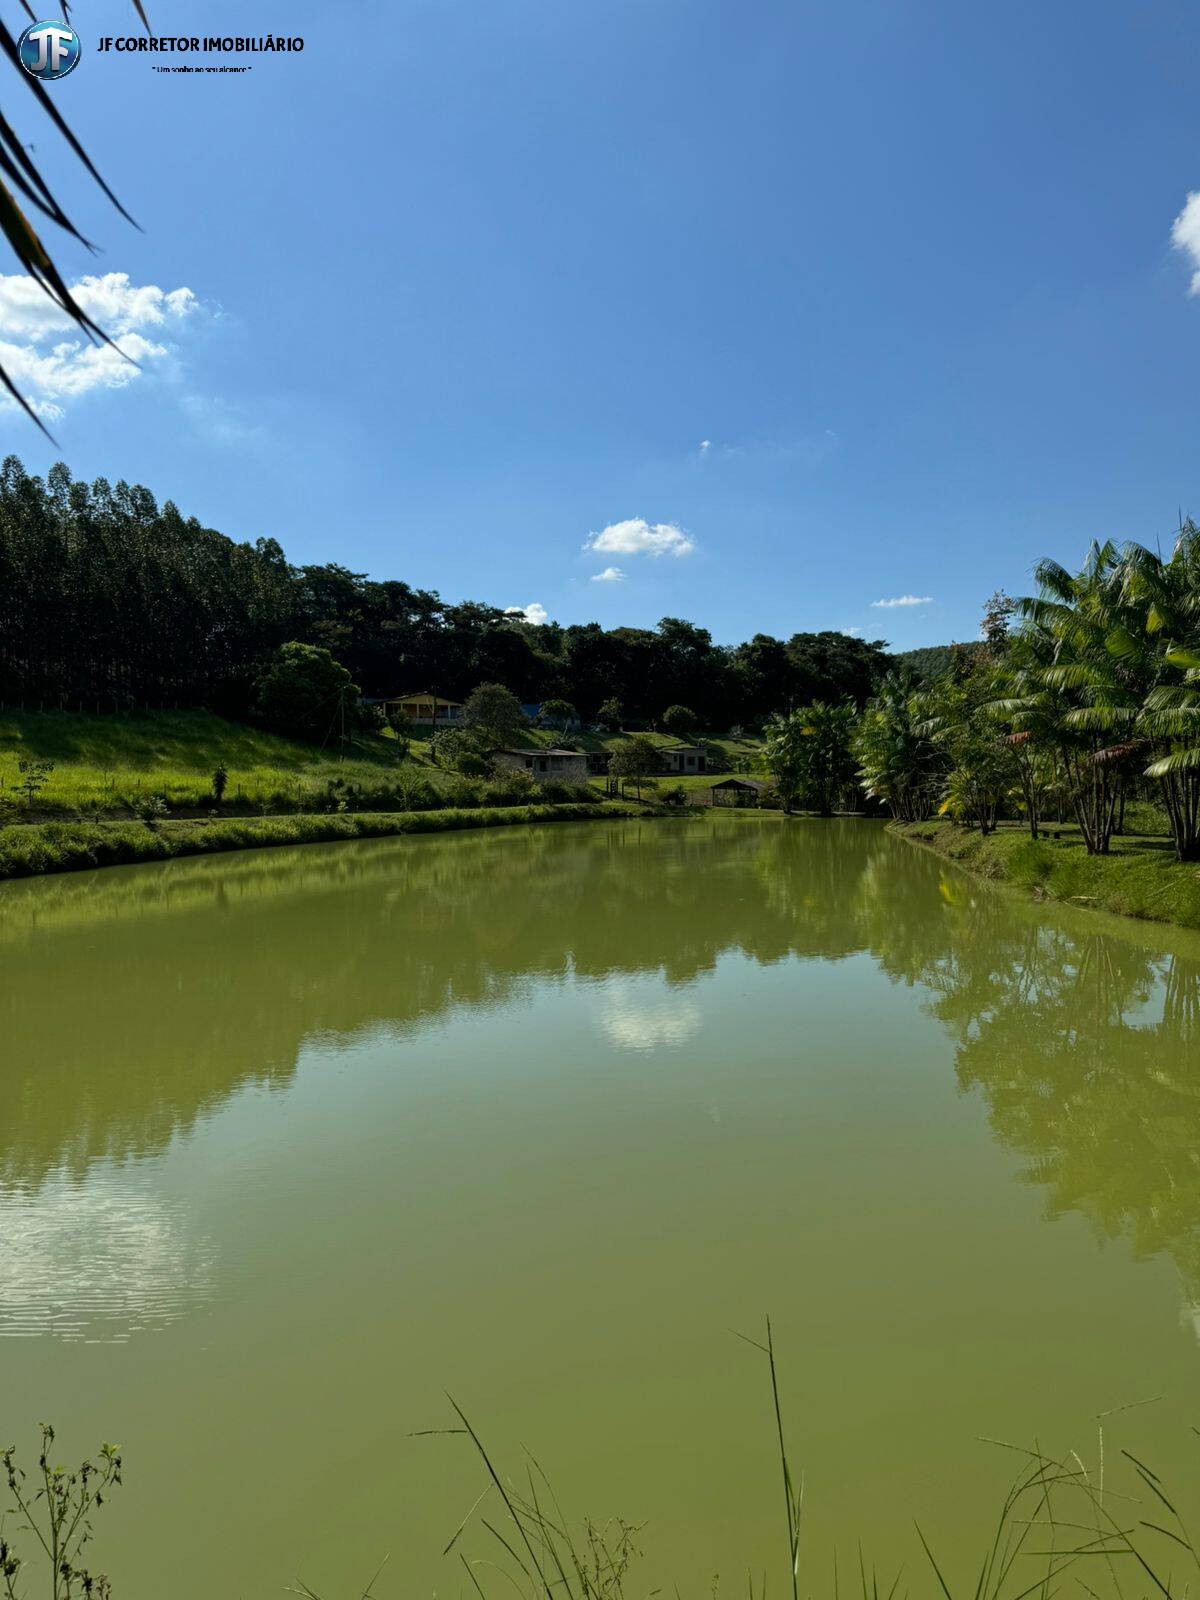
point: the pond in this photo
(293, 1143)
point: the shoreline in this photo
(33, 850)
(1138, 881)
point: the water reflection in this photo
(101, 1261)
(134, 1003)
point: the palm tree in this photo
(1163, 598)
(897, 762)
(21, 176)
(1085, 699)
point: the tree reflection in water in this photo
(133, 1001)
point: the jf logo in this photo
(49, 50)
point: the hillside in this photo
(930, 661)
(164, 762)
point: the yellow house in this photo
(426, 709)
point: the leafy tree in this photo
(492, 714)
(767, 677)
(785, 756)
(609, 713)
(557, 713)
(809, 754)
(304, 691)
(829, 733)
(634, 760)
(34, 775)
(832, 666)
(980, 766)
(680, 720)
(448, 748)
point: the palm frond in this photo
(20, 175)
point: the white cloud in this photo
(855, 633)
(905, 600)
(636, 536)
(49, 361)
(1185, 236)
(533, 612)
(806, 450)
(609, 575)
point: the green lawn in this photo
(737, 755)
(117, 765)
(1140, 878)
(108, 765)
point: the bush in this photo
(511, 789)
(448, 747)
(565, 792)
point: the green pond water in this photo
(294, 1142)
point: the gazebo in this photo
(736, 792)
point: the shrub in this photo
(448, 747)
(512, 789)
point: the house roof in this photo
(424, 694)
(739, 783)
(531, 750)
(684, 749)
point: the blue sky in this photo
(474, 282)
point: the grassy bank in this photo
(1141, 878)
(34, 848)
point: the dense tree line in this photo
(109, 601)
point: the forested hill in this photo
(110, 601)
(931, 661)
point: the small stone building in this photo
(684, 759)
(543, 766)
